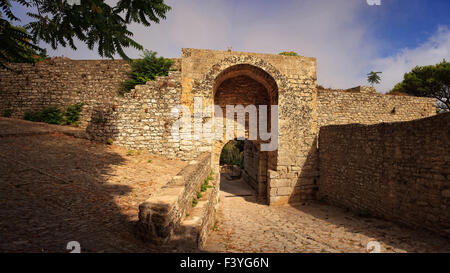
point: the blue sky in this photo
(349, 38)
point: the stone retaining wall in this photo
(142, 119)
(363, 105)
(162, 213)
(60, 82)
(399, 171)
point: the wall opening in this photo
(246, 85)
(243, 170)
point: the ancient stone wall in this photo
(363, 105)
(60, 82)
(139, 120)
(142, 119)
(399, 171)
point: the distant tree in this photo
(374, 78)
(431, 81)
(233, 153)
(59, 22)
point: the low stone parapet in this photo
(200, 219)
(162, 213)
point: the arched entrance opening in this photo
(234, 176)
(247, 85)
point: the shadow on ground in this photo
(237, 187)
(54, 189)
(391, 235)
(395, 235)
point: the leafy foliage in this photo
(145, 69)
(233, 153)
(94, 22)
(194, 202)
(431, 81)
(72, 114)
(7, 113)
(15, 45)
(374, 78)
(205, 186)
(288, 53)
(199, 195)
(51, 115)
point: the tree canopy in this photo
(431, 81)
(374, 78)
(145, 69)
(59, 22)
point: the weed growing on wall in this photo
(145, 69)
(194, 202)
(288, 53)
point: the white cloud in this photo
(433, 51)
(332, 31)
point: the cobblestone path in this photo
(247, 226)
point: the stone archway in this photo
(245, 84)
(291, 168)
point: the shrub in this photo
(288, 53)
(53, 115)
(72, 114)
(364, 213)
(145, 69)
(7, 113)
(50, 114)
(233, 153)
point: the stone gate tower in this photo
(238, 78)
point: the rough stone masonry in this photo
(142, 118)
